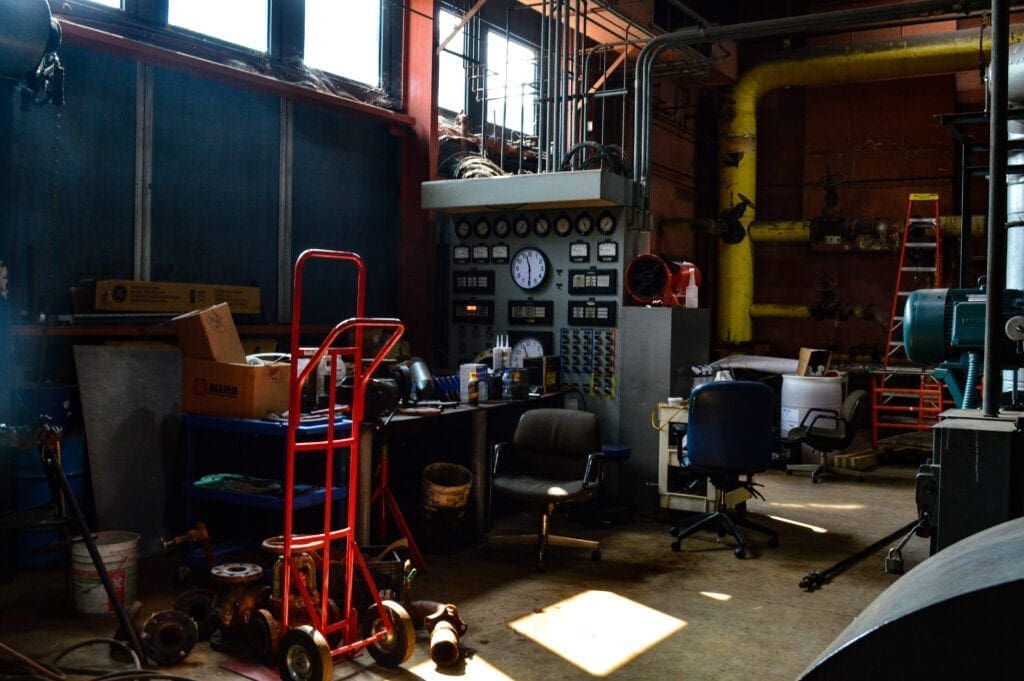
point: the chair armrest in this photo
(598, 458)
(499, 449)
(819, 413)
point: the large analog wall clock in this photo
(530, 268)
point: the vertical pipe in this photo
(143, 171)
(541, 65)
(996, 270)
(965, 217)
(556, 90)
(285, 155)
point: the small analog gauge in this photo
(501, 228)
(526, 347)
(481, 254)
(460, 255)
(584, 224)
(606, 223)
(482, 228)
(462, 229)
(521, 226)
(579, 252)
(499, 254)
(563, 225)
(541, 226)
(608, 251)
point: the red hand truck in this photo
(387, 632)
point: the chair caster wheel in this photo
(595, 554)
(773, 542)
(676, 545)
(739, 552)
(815, 480)
(674, 532)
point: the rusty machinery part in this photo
(236, 573)
(200, 605)
(445, 625)
(395, 646)
(168, 636)
(275, 545)
(304, 655)
(197, 535)
(263, 634)
(235, 604)
(306, 567)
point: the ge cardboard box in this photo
(216, 380)
(813, 362)
(233, 390)
(209, 334)
(126, 295)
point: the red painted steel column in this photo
(416, 262)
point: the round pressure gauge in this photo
(501, 228)
(521, 226)
(529, 268)
(541, 226)
(563, 225)
(525, 347)
(584, 224)
(606, 223)
(462, 229)
(482, 228)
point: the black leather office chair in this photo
(728, 435)
(827, 439)
(553, 461)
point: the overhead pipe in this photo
(799, 231)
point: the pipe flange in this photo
(236, 573)
(168, 636)
(200, 605)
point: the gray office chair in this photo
(826, 440)
(554, 461)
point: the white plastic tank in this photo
(800, 394)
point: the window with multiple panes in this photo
(511, 83)
(344, 38)
(240, 22)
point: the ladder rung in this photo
(918, 269)
(921, 221)
(898, 344)
(903, 293)
(919, 244)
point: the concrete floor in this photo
(641, 612)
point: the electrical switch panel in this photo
(588, 360)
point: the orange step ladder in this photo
(903, 396)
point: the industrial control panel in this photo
(552, 280)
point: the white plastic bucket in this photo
(119, 552)
(800, 394)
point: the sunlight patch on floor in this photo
(598, 631)
(788, 521)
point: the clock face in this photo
(529, 268)
(526, 347)
(606, 223)
(563, 225)
(521, 226)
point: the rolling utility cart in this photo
(315, 630)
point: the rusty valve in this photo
(445, 625)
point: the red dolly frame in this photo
(304, 653)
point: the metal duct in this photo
(24, 34)
(907, 57)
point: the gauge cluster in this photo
(550, 279)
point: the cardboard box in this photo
(813, 362)
(233, 390)
(209, 334)
(125, 295)
(543, 372)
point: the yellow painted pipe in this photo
(905, 58)
(797, 231)
(779, 311)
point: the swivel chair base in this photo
(821, 469)
(542, 540)
(725, 524)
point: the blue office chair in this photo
(728, 435)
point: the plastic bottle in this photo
(506, 384)
(473, 390)
(691, 292)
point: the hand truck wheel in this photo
(397, 646)
(304, 655)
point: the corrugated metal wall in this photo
(215, 189)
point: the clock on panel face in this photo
(526, 347)
(529, 268)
